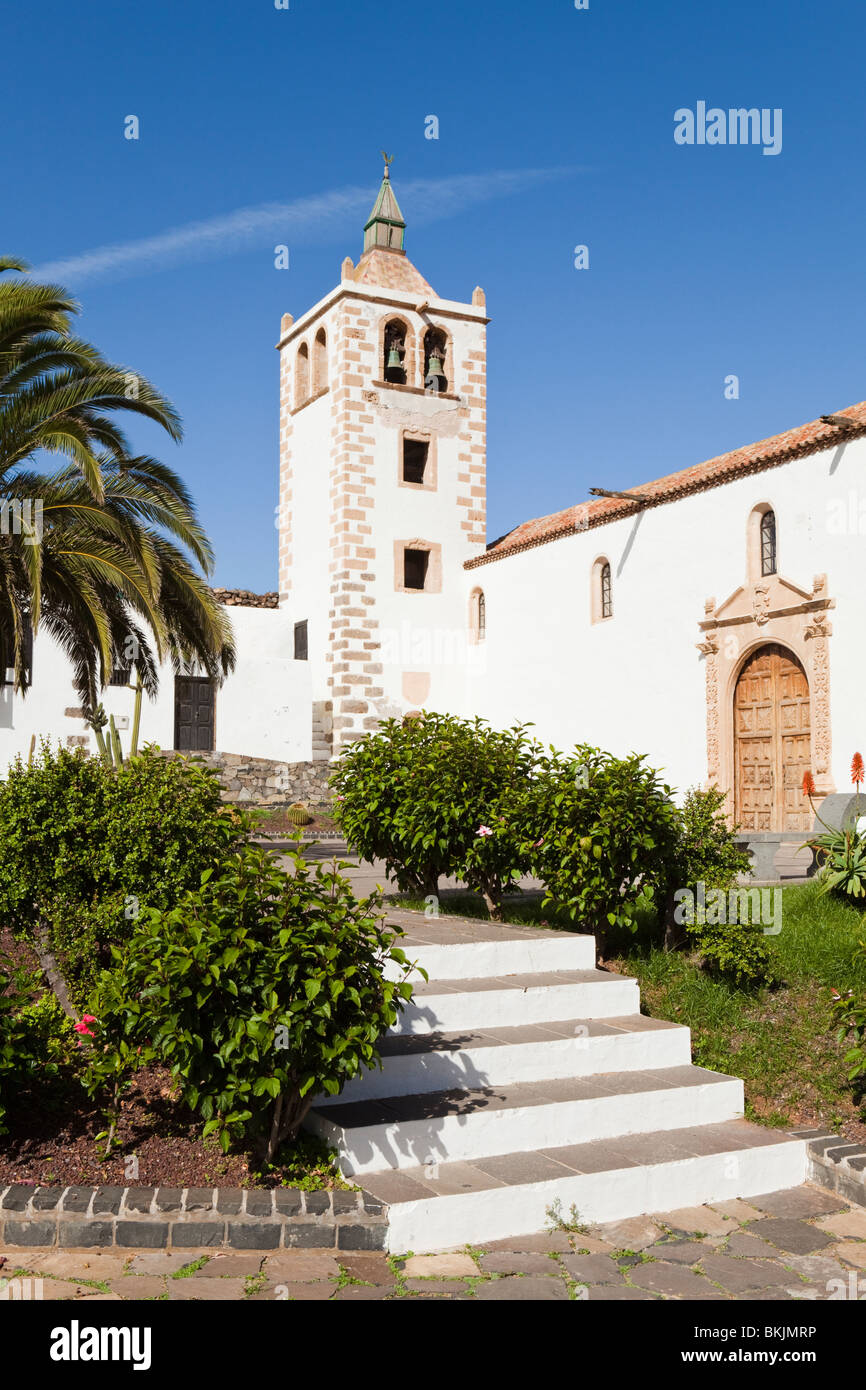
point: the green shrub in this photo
(706, 851)
(258, 989)
(435, 795)
(36, 1037)
(708, 862)
(83, 847)
(849, 1011)
(81, 935)
(735, 951)
(607, 837)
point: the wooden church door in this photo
(772, 742)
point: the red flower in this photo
(856, 769)
(808, 784)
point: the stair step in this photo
(511, 1000)
(526, 953)
(464, 1124)
(453, 1204)
(424, 1062)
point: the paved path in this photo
(368, 875)
(804, 1244)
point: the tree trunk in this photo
(52, 973)
(290, 1110)
(675, 936)
(492, 895)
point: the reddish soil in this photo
(52, 1140)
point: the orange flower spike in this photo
(857, 769)
(808, 784)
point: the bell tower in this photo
(382, 482)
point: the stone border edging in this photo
(835, 1164)
(173, 1218)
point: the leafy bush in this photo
(706, 851)
(258, 989)
(735, 951)
(84, 847)
(607, 837)
(36, 1037)
(708, 860)
(80, 936)
(435, 795)
(849, 1010)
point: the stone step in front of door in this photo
(509, 1000)
(449, 1205)
(467, 1123)
(422, 1062)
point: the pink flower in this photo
(484, 830)
(87, 1018)
(83, 1028)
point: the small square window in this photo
(301, 641)
(415, 452)
(415, 563)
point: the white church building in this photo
(713, 619)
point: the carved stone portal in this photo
(769, 610)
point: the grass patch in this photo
(523, 909)
(781, 1041)
(309, 1163)
(192, 1268)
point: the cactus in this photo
(299, 815)
(116, 750)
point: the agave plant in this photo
(840, 853)
(115, 564)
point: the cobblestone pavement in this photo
(805, 1243)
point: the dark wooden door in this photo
(193, 714)
(773, 743)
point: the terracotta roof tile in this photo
(753, 458)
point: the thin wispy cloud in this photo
(323, 216)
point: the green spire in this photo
(386, 226)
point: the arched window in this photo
(768, 543)
(761, 543)
(302, 375)
(394, 364)
(606, 596)
(477, 616)
(602, 590)
(435, 354)
(320, 362)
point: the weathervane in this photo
(389, 160)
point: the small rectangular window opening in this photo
(415, 564)
(415, 453)
(301, 641)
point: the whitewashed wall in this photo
(262, 710)
(637, 682)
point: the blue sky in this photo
(704, 261)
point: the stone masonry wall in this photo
(263, 782)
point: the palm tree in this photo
(115, 562)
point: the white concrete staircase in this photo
(520, 1077)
